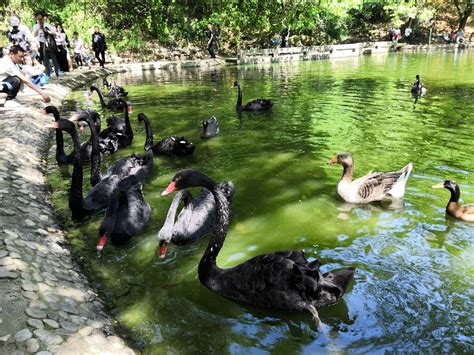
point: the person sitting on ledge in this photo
(11, 74)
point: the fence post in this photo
(429, 38)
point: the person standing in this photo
(211, 43)
(78, 46)
(48, 48)
(408, 32)
(99, 46)
(62, 53)
(16, 36)
(11, 77)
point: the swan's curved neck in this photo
(208, 269)
(101, 96)
(95, 153)
(238, 106)
(171, 216)
(127, 121)
(75, 192)
(347, 172)
(59, 138)
(149, 133)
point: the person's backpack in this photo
(50, 43)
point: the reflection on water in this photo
(413, 284)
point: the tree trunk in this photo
(463, 15)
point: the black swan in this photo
(127, 212)
(115, 90)
(210, 128)
(108, 141)
(61, 156)
(254, 105)
(174, 146)
(122, 129)
(281, 280)
(114, 104)
(418, 89)
(195, 220)
(98, 197)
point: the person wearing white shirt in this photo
(11, 74)
(41, 30)
(78, 45)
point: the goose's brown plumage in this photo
(463, 212)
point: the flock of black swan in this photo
(282, 280)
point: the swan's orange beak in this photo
(101, 242)
(163, 245)
(333, 160)
(171, 187)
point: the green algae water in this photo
(413, 287)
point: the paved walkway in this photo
(46, 304)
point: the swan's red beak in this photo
(52, 125)
(129, 108)
(333, 160)
(43, 112)
(163, 245)
(101, 242)
(171, 187)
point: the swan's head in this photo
(236, 84)
(447, 184)
(50, 109)
(142, 117)
(417, 77)
(342, 158)
(188, 178)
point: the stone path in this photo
(46, 304)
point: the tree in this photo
(463, 14)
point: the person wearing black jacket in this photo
(98, 45)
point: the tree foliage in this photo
(132, 24)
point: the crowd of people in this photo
(31, 56)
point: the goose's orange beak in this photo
(333, 160)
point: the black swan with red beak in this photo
(127, 212)
(254, 105)
(61, 157)
(282, 280)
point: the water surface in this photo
(413, 288)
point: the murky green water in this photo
(413, 289)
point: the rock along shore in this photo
(47, 305)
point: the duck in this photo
(172, 146)
(196, 218)
(371, 187)
(418, 89)
(127, 212)
(117, 104)
(254, 105)
(210, 128)
(283, 280)
(464, 212)
(61, 157)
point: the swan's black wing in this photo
(177, 146)
(196, 218)
(258, 104)
(99, 196)
(282, 280)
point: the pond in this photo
(413, 286)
